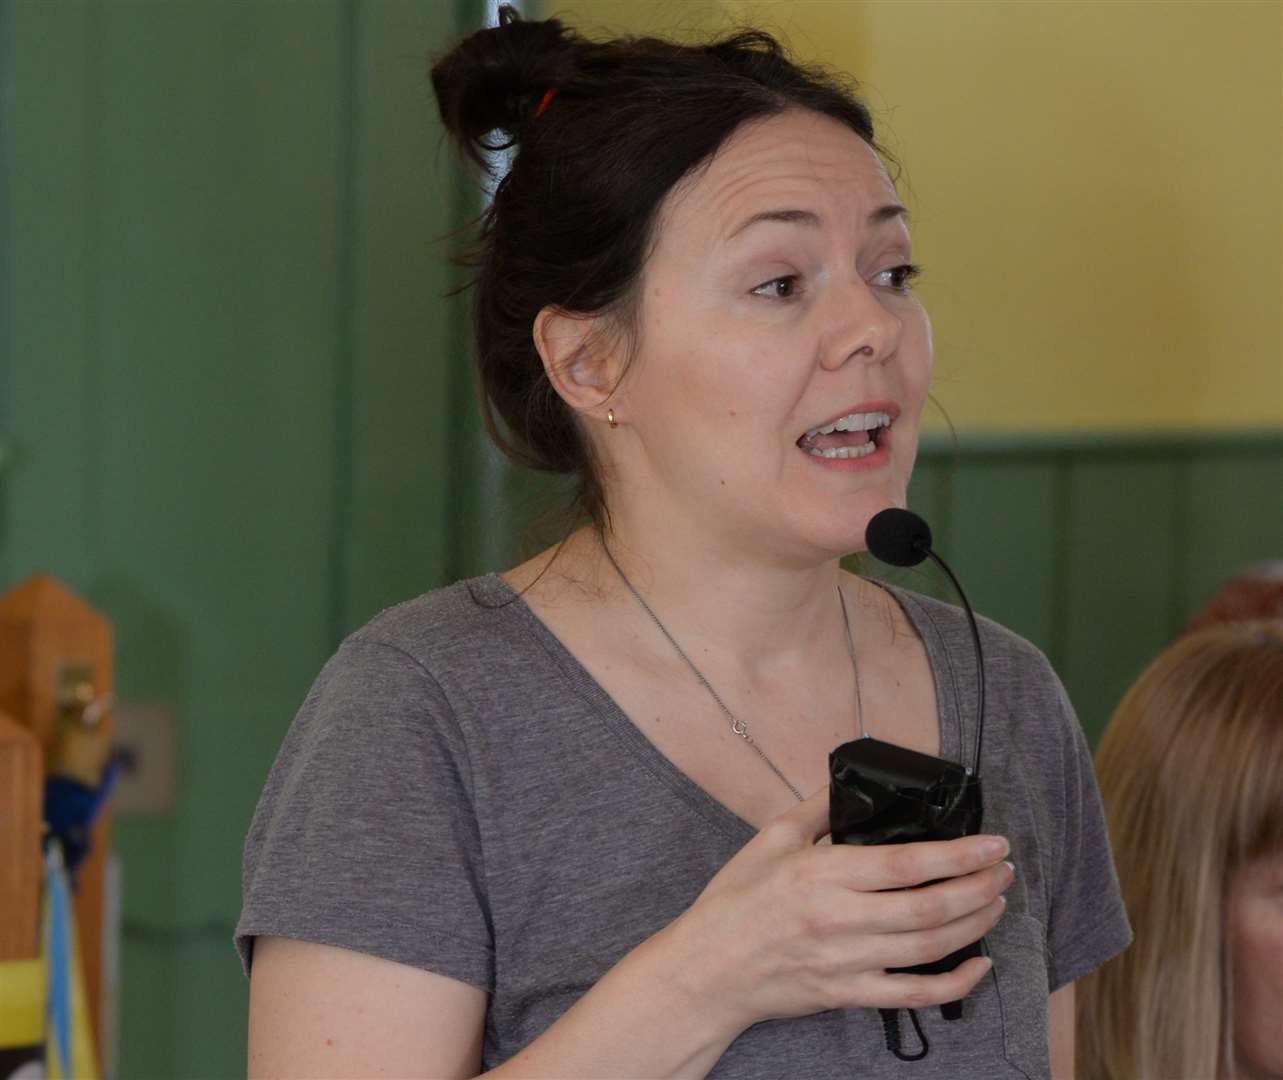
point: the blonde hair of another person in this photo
(1191, 775)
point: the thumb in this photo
(806, 822)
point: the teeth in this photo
(863, 450)
(860, 421)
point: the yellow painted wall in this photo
(1097, 188)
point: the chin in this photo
(837, 535)
(860, 509)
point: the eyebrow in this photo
(808, 218)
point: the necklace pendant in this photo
(740, 728)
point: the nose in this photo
(865, 328)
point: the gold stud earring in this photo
(610, 417)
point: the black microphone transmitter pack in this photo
(880, 793)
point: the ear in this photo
(580, 358)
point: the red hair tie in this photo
(545, 101)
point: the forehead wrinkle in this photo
(791, 164)
(793, 173)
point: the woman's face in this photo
(1254, 928)
(774, 305)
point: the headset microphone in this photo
(881, 793)
(901, 538)
(898, 537)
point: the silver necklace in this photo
(740, 727)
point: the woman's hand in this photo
(790, 926)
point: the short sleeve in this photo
(365, 836)
(1088, 920)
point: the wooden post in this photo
(57, 680)
(22, 784)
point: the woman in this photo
(1191, 771)
(565, 821)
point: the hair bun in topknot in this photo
(494, 79)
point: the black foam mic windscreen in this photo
(898, 537)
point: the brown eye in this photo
(780, 288)
(898, 277)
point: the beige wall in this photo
(1097, 190)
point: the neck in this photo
(717, 599)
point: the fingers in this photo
(918, 991)
(901, 866)
(850, 912)
(804, 823)
(934, 943)
(903, 910)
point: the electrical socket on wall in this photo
(145, 739)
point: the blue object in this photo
(71, 809)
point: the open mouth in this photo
(854, 435)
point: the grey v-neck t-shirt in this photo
(458, 794)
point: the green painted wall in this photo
(1098, 548)
(228, 380)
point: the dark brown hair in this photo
(571, 222)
